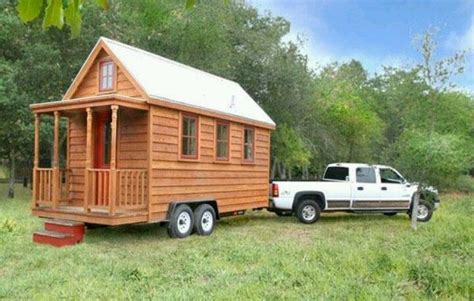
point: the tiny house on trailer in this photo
(152, 140)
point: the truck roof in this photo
(345, 164)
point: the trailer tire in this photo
(204, 219)
(181, 222)
(308, 211)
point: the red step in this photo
(60, 233)
(76, 229)
(54, 238)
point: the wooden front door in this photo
(102, 140)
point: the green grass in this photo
(258, 255)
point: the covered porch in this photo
(94, 184)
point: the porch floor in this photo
(94, 216)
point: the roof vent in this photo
(232, 102)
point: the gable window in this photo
(249, 134)
(222, 141)
(106, 79)
(189, 136)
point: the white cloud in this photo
(464, 41)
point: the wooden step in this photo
(54, 238)
(73, 228)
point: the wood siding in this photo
(234, 184)
(77, 156)
(89, 86)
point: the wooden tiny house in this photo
(146, 134)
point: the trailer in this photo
(151, 140)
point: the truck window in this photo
(336, 173)
(388, 175)
(365, 175)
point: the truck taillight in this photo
(275, 191)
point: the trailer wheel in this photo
(204, 219)
(308, 211)
(181, 222)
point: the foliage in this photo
(437, 159)
(255, 256)
(335, 113)
(55, 12)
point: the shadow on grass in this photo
(156, 232)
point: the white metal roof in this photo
(171, 81)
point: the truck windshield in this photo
(335, 173)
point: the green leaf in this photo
(190, 4)
(54, 14)
(29, 10)
(72, 15)
(103, 3)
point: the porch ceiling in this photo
(80, 104)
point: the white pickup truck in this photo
(350, 187)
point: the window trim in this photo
(217, 158)
(246, 161)
(102, 62)
(182, 156)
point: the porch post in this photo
(36, 160)
(55, 165)
(113, 161)
(88, 158)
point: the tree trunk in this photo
(274, 167)
(11, 183)
(414, 209)
(289, 173)
(281, 171)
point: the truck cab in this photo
(350, 187)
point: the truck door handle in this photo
(384, 188)
(360, 188)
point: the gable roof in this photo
(170, 81)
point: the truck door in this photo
(394, 192)
(365, 189)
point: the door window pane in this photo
(365, 175)
(336, 173)
(387, 175)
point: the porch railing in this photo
(128, 192)
(45, 190)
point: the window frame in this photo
(247, 161)
(216, 141)
(182, 156)
(114, 75)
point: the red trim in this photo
(101, 119)
(114, 69)
(253, 145)
(197, 136)
(227, 124)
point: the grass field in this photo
(254, 256)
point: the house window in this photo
(249, 134)
(189, 136)
(106, 79)
(222, 141)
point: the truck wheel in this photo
(204, 219)
(308, 211)
(181, 222)
(425, 211)
(390, 213)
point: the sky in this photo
(379, 32)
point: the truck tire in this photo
(308, 211)
(425, 211)
(204, 219)
(181, 222)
